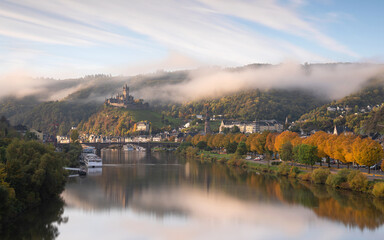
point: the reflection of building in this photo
(253, 127)
(125, 100)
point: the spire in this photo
(335, 131)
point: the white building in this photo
(142, 127)
(253, 127)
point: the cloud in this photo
(205, 30)
(266, 12)
(332, 80)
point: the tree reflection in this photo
(39, 223)
(122, 187)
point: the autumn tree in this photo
(270, 143)
(284, 137)
(370, 153)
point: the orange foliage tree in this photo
(284, 137)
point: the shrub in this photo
(222, 160)
(283, 169)
(293, 172)
(305, 176)
(352, 174)
(344, 173)
(320, 175)
(275, 163)
(191, 152)
(237, 162)
(378, 190)
(357, 181)
(335, 180)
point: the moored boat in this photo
(91, 160)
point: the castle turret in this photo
(126, 92)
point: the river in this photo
(160, 196)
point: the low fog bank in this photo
(331, 80)
(86, 89)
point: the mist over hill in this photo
(256, 91)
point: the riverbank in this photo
(346, 179)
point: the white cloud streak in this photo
(203, 29)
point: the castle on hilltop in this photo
(125, 100)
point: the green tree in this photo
(241, 148)
(35, 171)
(235, 129)
(231, 147)
(201, 145)
(286, 151)
(306, 154)
(74, 136)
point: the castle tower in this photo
(126, 92)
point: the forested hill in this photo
(81, 98)
(122, 122)
(353, 110)
(373, 122)
(253, 104)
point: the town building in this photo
(39, 134)
(142, 126)
(63, 139)
(253, 127)
(21, 129)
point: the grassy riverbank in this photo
(353, 180)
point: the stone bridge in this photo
(147, 145)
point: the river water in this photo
(160, 196)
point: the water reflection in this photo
(159, 196)
(192, 194)
(39, 223)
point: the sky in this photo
(71, 38)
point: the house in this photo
(269, 125)
(21, 129)
(253, 127)
(157, 138)
(62, 139)
(142, 138)
(142, 126)
(39, 134)
(229, 124)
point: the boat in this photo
(141, 149)
(91, 160)
(89, 150)
(128, 147)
